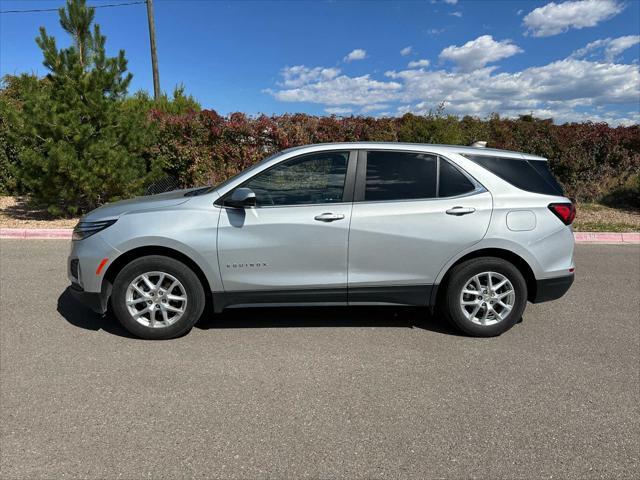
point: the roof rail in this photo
(479, 144)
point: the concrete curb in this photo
(65, 234)
(607, 237)
(36, 233)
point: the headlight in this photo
(85, 229)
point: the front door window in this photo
(307, 180)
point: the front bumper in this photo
(96, 301)
(88, 284)
(552, 288)
(84, 260)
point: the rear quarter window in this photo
(530, 175)
(452, 181)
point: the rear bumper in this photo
(552, 288)
(96, 301)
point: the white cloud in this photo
(568, 80)
(451, 2)
(338, 110)
(477, 53)
(567, 90)
(609, 48)
(419, 63)
(456, 14)
(406, 51)
(435, 31)
(357, 54)
(374, 107)
(555, 18)
(335, 91)
(300, 75)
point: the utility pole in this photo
(154, 53)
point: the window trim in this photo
(361, 178)
(347, 191)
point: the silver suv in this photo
(473, 232)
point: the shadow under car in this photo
(274, 317)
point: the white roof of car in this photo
(443, 149)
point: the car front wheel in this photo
(484, 297)
(157, 297)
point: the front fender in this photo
(192, 233)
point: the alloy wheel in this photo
(156, 299)
(487, 298)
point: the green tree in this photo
(179, 104)
(82, 148)
(13, 91)
(436, 127)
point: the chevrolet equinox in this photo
(472, 232)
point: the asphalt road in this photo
(331, 393)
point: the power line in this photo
(108, 5)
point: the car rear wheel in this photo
(157, 297)
(484, 297)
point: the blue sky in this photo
(575, 60)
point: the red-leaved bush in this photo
(591, 160)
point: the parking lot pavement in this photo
(375, 392)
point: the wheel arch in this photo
(520, 263)
(121, 261)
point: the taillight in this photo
(564, 211)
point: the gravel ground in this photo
(320, 393)
(16, 213)
(601, 218)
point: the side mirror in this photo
(241, 198)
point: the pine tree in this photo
(82, 147)
(13, 90)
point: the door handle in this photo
(459, 211)
(329, 217)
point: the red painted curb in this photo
(36, 233)
(65, 234)
(607, 237)
(587, 237)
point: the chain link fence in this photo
(165, 184)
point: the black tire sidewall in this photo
(190, 281)
(456, 283)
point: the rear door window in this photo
(530, 175)
(400, 176)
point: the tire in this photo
(471, 276)
(169, 309)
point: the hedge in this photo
(591, 160)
